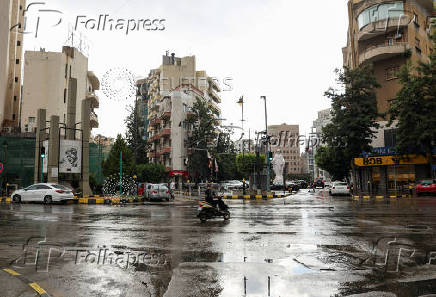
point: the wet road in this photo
(305, 245)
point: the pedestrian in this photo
(172, 188)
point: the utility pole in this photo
(267, 147)
(241, 102)
(121, 173)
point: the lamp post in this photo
(267, 148)
(5, 149)
(241, 103)
(121, 173)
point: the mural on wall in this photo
(70, 156)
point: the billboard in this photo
(70, 156)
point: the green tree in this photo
(203, 138)
(414, 108)
(246, 163)
(112, 164)
(151, 173)
(225, 155)
(134, 139)
(353, 125)
(332, 159)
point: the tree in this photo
(414, 108)
(134, 139)
(112, 164)
(151, 173)
(332, 159)
(225, 155)
(204, 136)
(246, 163)
(353, 125)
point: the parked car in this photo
(339, 188)
(303, 184)
(319, 183)
(44, 192)
(426, 186)
(157, 192)
(293, 186)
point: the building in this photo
(324, 118)
(142, 107)
(285, 138)
(11, 51)
(53, 81)
(244, 146)
(387, 34)
(172, 90)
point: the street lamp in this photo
(241, 103)
(267, 148)
(5, 149)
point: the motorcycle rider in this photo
(209, 196)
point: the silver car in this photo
(46, 193)
(157, 192)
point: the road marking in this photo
(37, 288)
(11, 272)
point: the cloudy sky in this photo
(284, 50)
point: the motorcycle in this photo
(207, 211)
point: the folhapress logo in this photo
(106, 23)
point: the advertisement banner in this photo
(45, 159)
(70, 156)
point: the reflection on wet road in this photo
(305, 245)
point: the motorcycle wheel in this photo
(227, 216)
(203, 218)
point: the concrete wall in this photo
(46, 79)
(5, 8)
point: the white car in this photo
(339, 188)
(46, 193)
(157, 191)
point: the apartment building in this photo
(172, 90)
(324, 118)
(142, 107)
(285, 138)
(11, 45)
(387, 34)
(54, 81)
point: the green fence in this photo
(17, 154)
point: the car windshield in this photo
(340, 184)
(426, 182)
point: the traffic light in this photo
(42, 152)
(270, 156)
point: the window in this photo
(390, 137)
(43, 187)
(18, 42)
(415, 19)
(66, 70)
(390, 41)
(65, 95)
(16, 79)
(392, 72)
(17, 61)
(15, 98)
(32, 119)
(380, 12)
(13, 117)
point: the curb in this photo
(85, 200)
(34, 285)
(380, 197)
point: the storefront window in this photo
(400, 176)
(380, 12)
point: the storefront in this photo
(389, 174)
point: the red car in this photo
(426, 186)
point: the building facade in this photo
(54, 81)
(142, 107)
(324, 118)
(11, 52)
(286, 139)
(172, 91)
(388, 35)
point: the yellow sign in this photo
(391, 160)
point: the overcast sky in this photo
(284, 50)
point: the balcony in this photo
(166, 115)
(95, 102)
(166, 150)
(214, 96)
(382, 27)
(155, 122)
(166, 132)
(93, 120)
(383, 51)
(213, 84)
(93, 79)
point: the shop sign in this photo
(391, 160)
